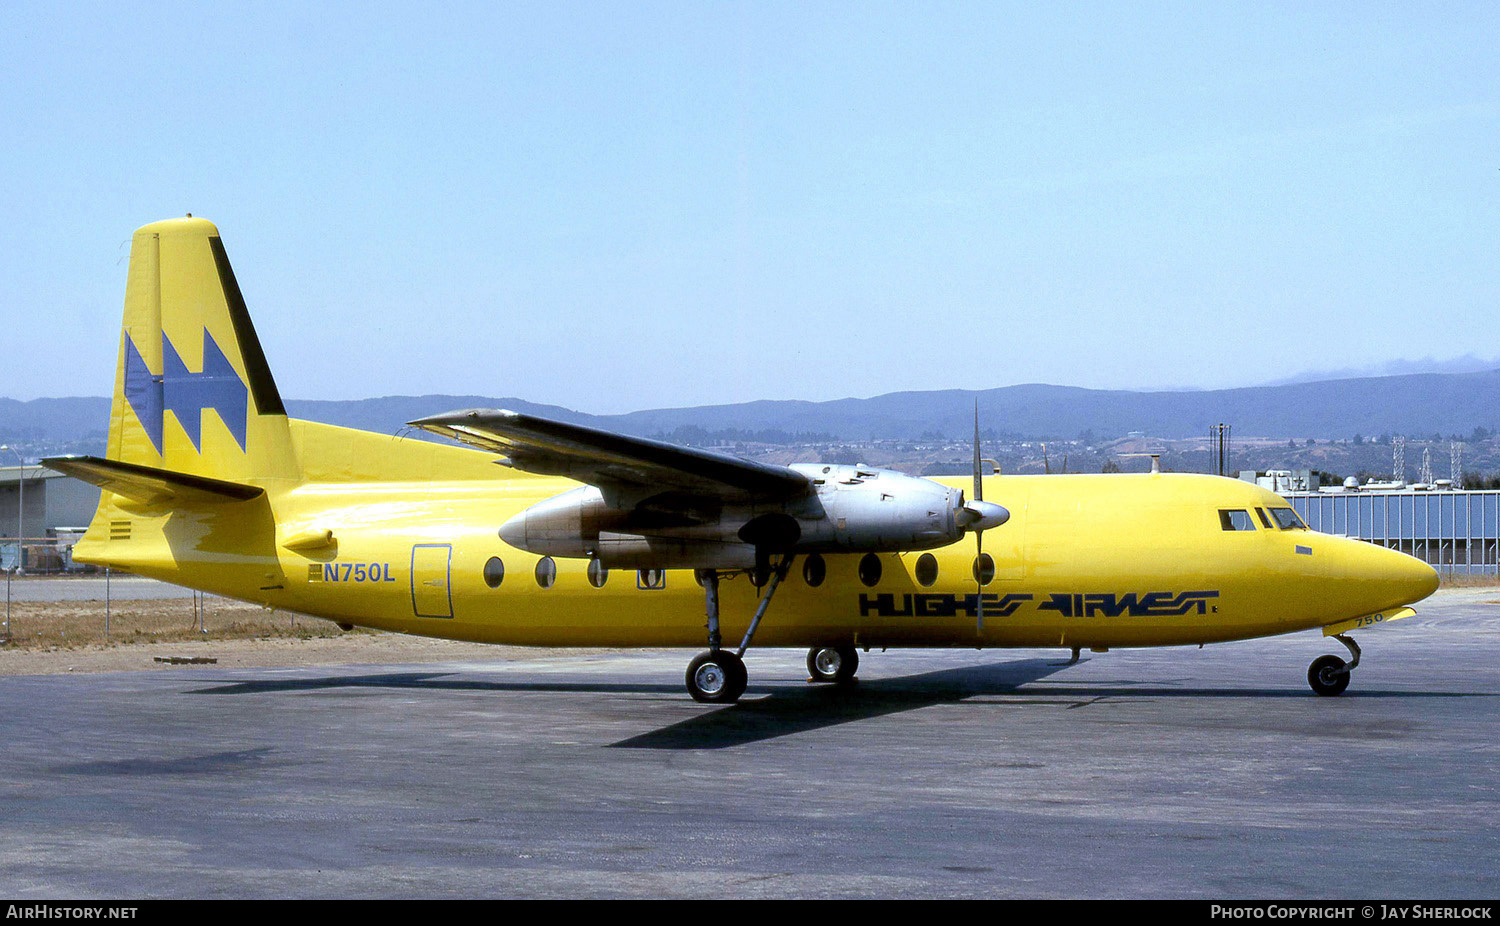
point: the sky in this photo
(623, 205)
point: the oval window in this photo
(701, 577)
(546, 572)
(814, 570)
(927, 570)
(869, 569)
(494, 572)
(650, 578)
(984, 569)
(598, 573)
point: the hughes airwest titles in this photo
(549, 534)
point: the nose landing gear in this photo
(1329, 675)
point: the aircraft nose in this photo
(1417, 578)
(1366, 578)
(1402, 579)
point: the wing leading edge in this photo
(613, 462)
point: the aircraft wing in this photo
(611, 461)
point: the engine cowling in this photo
(847, 509)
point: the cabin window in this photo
(598, 573)
(1264, 521)
(814, 570)
(1235, 519)
(984, 569)
(1288, 519)
(927, 570)
(650, 578)
(546, 572)
(701, 577)
(869, 569)
(494, 572)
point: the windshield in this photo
(1287, 519)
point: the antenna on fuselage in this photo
(1155, 459)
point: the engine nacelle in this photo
(847, 509)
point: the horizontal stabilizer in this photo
(150, 485)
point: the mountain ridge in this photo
(1408, 403)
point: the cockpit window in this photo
(1264, 521)
(1235, 519)
(1287, 519)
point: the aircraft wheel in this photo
(1327, 677)
(832, 664)
(717, 677)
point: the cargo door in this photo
(430, 592)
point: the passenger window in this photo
(1288, 519)
(598, 573)
(546, 572)
(650, 578)
(1235, 519)
(927, 570)
(984, 569)
(869, 569)
(814, 570)
(1264, 521)
(494, 572)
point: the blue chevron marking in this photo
(187, 395)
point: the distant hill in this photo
(1416, 404)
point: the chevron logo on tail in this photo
(186, 394)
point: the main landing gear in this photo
(718, 676)
(833, 665)
(1329, 675)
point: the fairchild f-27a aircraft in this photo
(543, 533)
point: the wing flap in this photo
(610, 460)
(150, 485)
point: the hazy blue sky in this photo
(616, 206)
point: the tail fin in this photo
(193, 393)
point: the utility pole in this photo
(1218, 436)
(20, 514)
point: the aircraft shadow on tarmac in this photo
(782, 710)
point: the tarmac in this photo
(1212, 773)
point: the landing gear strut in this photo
(718, 676)
(834, 665)
(1329, 675)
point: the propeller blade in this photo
(978, 587)
(977, 507)
(978, 482)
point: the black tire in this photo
(716, 677)
(1327, 676)
(834, 665)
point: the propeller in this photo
(979, 515)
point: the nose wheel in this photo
(1329, 675)
(833, 665)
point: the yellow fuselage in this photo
(1084, 561)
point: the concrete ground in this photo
(1208, 773)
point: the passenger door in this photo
(431, 595)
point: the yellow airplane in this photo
(550, 534)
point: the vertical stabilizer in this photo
(193, 392)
